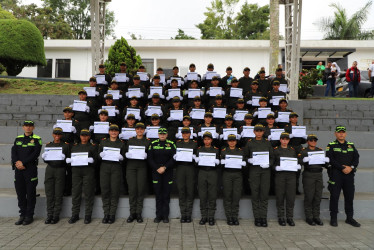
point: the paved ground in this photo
(148, 235)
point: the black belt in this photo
(207, 168)
(313, 170)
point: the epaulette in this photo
(292, 148)
(148, 139)
(250, 139)
(333, 143)
(156, 141)
(266, 139)
(75, 144)
(303, 149)
(66, 143)
(215, 147)
(223, 149)
(240, 148)
(104, 139)
(122, 140)
(169, 141)
(93, 144)
(179, 140)
(350, 143)
(299, 155)
(194, 141)
(276, 147)
(36, 137)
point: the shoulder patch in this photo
(215, 147)
(350, 143)
(276, 147)
(104, 139)
(36, 137)
(20, 136)
(223, 149)
(332, 143)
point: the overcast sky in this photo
(161, 19)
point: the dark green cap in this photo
(187, 117)
(292, 114)
(263, 99)
(312, 136)
(240, 100)
(28, 123)
(259, 127)
(276, 82)
(208, 114)
(85, 132)
(248, 116)
(229, 117)
(114, 127)
(156, 95)
(69, 109)
(231, 137)
(269, 116)
(215, 78)
(284, 135)
(140, 125)
(176, 99)
(57, 131)
(186, 130)
(130, 116)
(136, 77)
(208, 134)
(219, 97)
(156, 76)
(155, 116)
(234, 80)
(109, 96)
(103, 112)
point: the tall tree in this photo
(341, 27)
(183, 36)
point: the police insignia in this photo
(168, 145)
(32, 141)
(349, 146)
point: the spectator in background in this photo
(329, 76)
(371, 77)
(320, 67)
(353, 77)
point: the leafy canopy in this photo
(181, 35)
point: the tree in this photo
(341, 27)
(182, 36)
(21, 45)
(121, 51)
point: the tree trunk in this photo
(274, 35)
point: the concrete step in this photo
(363, 205)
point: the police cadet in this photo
(111, 173)
(232, 179)
(54, 181)
(25, 153)
(83, 177)
(312, 182)
(136, 173)
(161, 161)
(344, 160)
(185, 175)
(259, 175)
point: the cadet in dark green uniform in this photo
(54, 181)
(111, 172)
(312, 182)
(232, 179)
(207, 181)
(136, 172)
(259, 175)
(285, 179)
(83, 177)
(186, 173)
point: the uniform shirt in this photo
(113, 144)
(304, 153)
(26, 149)
(227, 151)
(160, 153)
(65, 150)
(133, 141)
(264, 85)
(342, 154)
(210, 149)
(191, 144)
(245, 83)
(88, 147)
(262, 145)
(283, 152)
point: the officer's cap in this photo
(130, 116)
(162, 130)
(114, 127)
(248, 116)
(28, 123)
(234, 80)
(263, 99)
(210, 66)
(228, 68)
(218, 97)
(340, 128)
(255, 82)
(259, 127)
(109, 96)
(285, 135)
(103, 112)
(283, 100)
(208, 134)
(92, 79)
(186, 130)
(293, 114)
(85, 132)
(311, 137)
(140, 125)
(176, 99)
(208, 114)
(68, 109)
(270, 116)
(276, 82)
(136, 77)
(57, 131)
(156, 76)
(215, 78)
(187, 117)
(240, 100)
(246, 69)
(82, 92)
(231, 137)
(197, 98)
(228, 117)
(156, 95)
(155, 116)
(134, 98)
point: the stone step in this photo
(363, 205)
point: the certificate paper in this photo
(65, 125)
(276, 100)
(207, 159)
(176, 114)
(154, 110)
(114, 93)
(240, 114)
(79, 159)
(214, 91)
(111, 110)
(180, 131)
(283, 88)
(91, 91)
(162, 78)
(192, 93)
(174, 92)
(128, 133)
(209, 75)
(260, 158)
(111, 154)
(121, 77)
(236, 92)
(263, 112)
(256, 101)
(53, 153)
(233, 161)
(229, 131)
(184, 154)
(191, 76)
(248, 132)
(101, 127)
(135, 112)
(137, 152)
(288, 163)
(219, 112)
(298, 131)
(154, 90)
(316, 157)
(143, 76)
(197, 114)
(212, 130)
(100, 79)
(276, 133)
(284, 117)
(152, 132)
(79, 106)
(133, 92)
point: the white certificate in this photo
(276, 133)
(65, 125)
(154, 90)
(101, 127)
(178, 79)
(111, 110)
(260, 158)
(53, 153)
(176, 114)
(256, 101)
(91, 91)
(212, 130)
(143, 76)
(248, 132)
(229, 131)
(135, 112)
(288, 163)
(79, 159)
(137, 152)
(174, 92)
(209, 75)
(284, 117)
(134, 92)
(283, 88)
(120, 77)
(214, 91)
(298, 131)
(236, 92)
(219, 112)
(127, 133)
(197, 114)
(184, 154)
(154, 110)
(276, 100)
(263, 112)
(192, 76)
(152, 132)
(100, 79)
(192, 93)
(233, 161)
(316, 157)
(180, 131)
(79, 106)
(207, 159)
(240, 114)
(162, 78)
(114, 93)
(111, 154)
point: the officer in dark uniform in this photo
(54, 182)
(25, 153)
(161, 161)
(344, 160)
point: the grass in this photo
(26, 86)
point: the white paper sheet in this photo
(316, 157)
(284, 117)
(111, 154)
(260, 158)
(240, 114)
(176, 114)
(137, 152)
(263, 112)
(229, 131)
(53, 153)
(197, 114)
(283, 88)
(152, 132)
(180, 131)
(111, 110)
(100, 79)
(143, 76)
(212, 130)
(288, 163)
(209, 75)
(101, 127)
(207, 159)
(91, 91)
(236, 92)
(276, 100)
(192, 93)
(184, 154)
(128, 133)
(133, 92)
(121, 77)
(255, 101)
(154, 89)
(214, 91)
(79, 106)
(192, 76)
(298, 131)
(114, 93)
(174, 92)
(219, 112)
(248, 132)
(79, 159)
(135, 112)
(154, 110)
(65, 125)
(233, 161)
(275, 133)
(162, 78)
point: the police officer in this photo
(161, 161)
(344, 159)
(25, 153)
(54, 181)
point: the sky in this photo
(161, 19)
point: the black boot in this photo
(131, 218)
(188, 219)
(111, 219)
(290, 222)
(105, 219)
(258, 222)
(310, 222)
(334, 221)
(229, 221)
(165, 220)
(73, 219)
(264, 222)
(27, 221)
(282, 222)
(203, 221)
(157, 220)
(55, 220)
(235, 221)
(48, 220)
(318, 221)
(87, 219)
(139, 218)
(352, 222)
(20, 221)
(212, 222)
(183, 219)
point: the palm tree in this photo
(341, 27)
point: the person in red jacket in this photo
(353, 77)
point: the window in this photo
(149, 66)
(167, 65)
(63, 68)
(45, 71)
